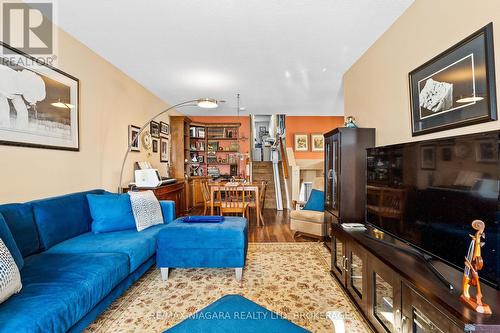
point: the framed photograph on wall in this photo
(133, 138)
(164, 150)
(456, 88)
(39, 104)
(154, 129)
(486, 151)
(164, 128)
(428, 157)
(317, 142)
(301, 142)
(155, 145)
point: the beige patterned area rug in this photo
(291, 279)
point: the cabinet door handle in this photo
(346, 263)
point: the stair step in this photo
(263, 171)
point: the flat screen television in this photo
(427, 194)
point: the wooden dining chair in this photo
(232, 200)
(262, 196)
(207, 201)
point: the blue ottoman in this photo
(203, 245)
(234, 313)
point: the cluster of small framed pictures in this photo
(483, 151)
(159, 141)
(308, 142)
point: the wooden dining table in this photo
(250, 187)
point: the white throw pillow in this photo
(10, 278)
(146, 209)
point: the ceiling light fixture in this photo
(470, 99)
(62, 105)
(207, 103)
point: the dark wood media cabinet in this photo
(397, 291)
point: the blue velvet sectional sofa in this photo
(69, 274)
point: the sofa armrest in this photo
(298, 205)
(168, 210)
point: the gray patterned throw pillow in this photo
(146, 209)
(10, 278)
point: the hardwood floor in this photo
(276, 227)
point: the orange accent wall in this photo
(310, 125)
(243, 132)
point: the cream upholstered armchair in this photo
(309, 222)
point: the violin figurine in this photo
(473, 264)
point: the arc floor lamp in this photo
(206, 103)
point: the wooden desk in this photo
(252, 187)
(174, 192)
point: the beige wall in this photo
(376, 86)
(109, 102)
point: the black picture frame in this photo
(134, 141)
(155, 145)
(164, 150)
(45, 70)
(154, 129)
(441, 100)
(164, 128)
(428, 157)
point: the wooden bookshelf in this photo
(191, 140)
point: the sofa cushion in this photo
(20, 220)
(167, 210)
(308, 215)
(146, 209)
(316, 201)
(59, 289)
(10, 243)
(229, 234)
(138, 246)
(10, 279)
(62, 217)
(110, 212)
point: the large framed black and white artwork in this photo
(39, 104)
(456, 88)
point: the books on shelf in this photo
(197, 132)
(234, 146)
(213, 171)
(212, 159)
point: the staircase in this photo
(263, 171)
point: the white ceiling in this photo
(281, 56)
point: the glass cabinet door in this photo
(339, 257)
(422, 324)
(420, 316)
(383, 305)
(384, 300)
(334, 174)
(356, 273)
(328, 173)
